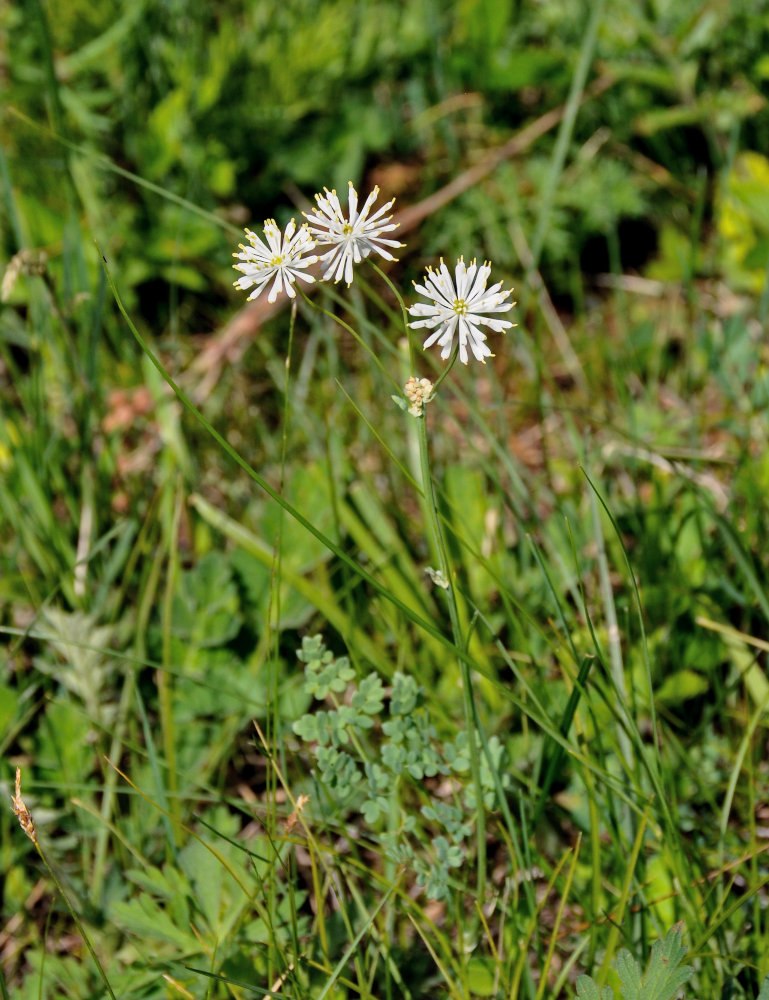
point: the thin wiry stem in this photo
(440, 547)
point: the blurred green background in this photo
(246, 109)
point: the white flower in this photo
(458, 305)
(351, 239)
(280, 258)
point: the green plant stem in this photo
(351, 949)
(618, 916)
(404, 314)
(276, 579)
(165, 698)
(439, 539)
(75, 917)
(390, 867)
(274, 611)
(444, 373)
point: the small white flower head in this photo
(280, 260)
(351, 239)
(418, 391)
(439, 580)
(24, 262)
(458, 305)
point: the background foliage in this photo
(603, 485)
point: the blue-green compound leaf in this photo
(323, 673)
(448, 855)
(394, 757)
(379, 779)
(372, 809)
(369, 697)
(396, 729)
(323, 728)
(458, 754)
(453, 820)
(339, 770)
(313, 648)
(404, 695)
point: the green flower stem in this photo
(353, 333)
(393, 826)
(164, 678)
(439, 540)
(447, 369)
(404, 313)
(274, 610)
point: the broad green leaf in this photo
(206, 873)
(9, 702)
(664, 976)
(681, 686)
(481, 976)
(588, 990)
(206, 607)
(151, 923)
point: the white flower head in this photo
(351, 239)
(457, 305)
(280, 260)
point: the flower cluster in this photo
(457, 305)
(418, 391)
(286, 256)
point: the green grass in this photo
(487, 790)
